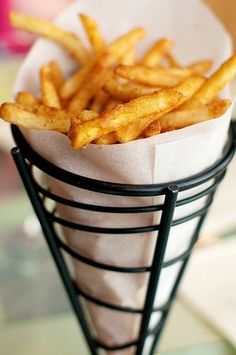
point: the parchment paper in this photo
(167, 157)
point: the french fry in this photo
(171, 60)
(38, 117)
(127, 91)
(57, 75)
(180, 119)
(213, 85)
(106, 139)
(111, 103)
(26, 99)
(156, 53)
(134, 130)
(93, 32)
(88, 115)
(101, 68)
(74, 82)
(163, 77)
(48, 88)
(153, 129)
(129, 58)
(68, 40)
(122, 115)
(100, 101)
(200, 67)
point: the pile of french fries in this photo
(114, 97)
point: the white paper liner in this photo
(167, 157)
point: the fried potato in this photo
(100, 101)
(172, 61)
(109, 138)
(200, 67)
(129, 58)
(213, 85)
(68, 40)
(127, 91)
(188, 117)
(93, 32)
(156, 53)
(57, 75)
(153, 129)
(134, 130)
(163, 77)
(74, 82)
(38, 117)
(122, 115)
(88, 115)
(48, 88)
(111, 103)
(26, 99)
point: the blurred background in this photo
(35, 317)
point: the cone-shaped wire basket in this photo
(26, 158)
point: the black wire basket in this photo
(26, 158)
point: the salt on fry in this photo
(163, 77)
(48, 87)
(213, 85)
(71, 42)
(38, 117)
(156, 53)
(93, 32)
(122, 115)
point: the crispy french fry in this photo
(164, 77)
(48, 88)
(213, 85)
(100, 70)
(100, 101)
(156, 53)
(123, 115)
(68, 40)
(127, 91)
(106, 139)
(129, 58)
(171, 60)
(200, 67)
(74, 82)
(26, 99)
(153, 129)
(57, 75)
(188, 117)
(134, 130)
(38, 117)
(93, 32)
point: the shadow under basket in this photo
(26, 158)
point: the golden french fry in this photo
(127, 91)
(200, 67)
(74, 82)
(48, 88)
(57, 75)
(156, 53)
(171, 60)
(38, 117)
(24, 98)
(111, 103)
(68, 40)
(164, 77)
(180, 119)
(100, 70)
(153, 129)
(122, 115)
(213, 85)
(129, 58)
(134, 130)
(100, 101)
(109, 138)
(93, 32)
